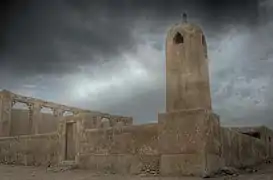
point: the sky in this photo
(109, 55)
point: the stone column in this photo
(5, 113)
(81, 136)
(62, 138)
(58, 113)
(35, 116)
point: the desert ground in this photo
(9, 172)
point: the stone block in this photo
(187, 132)
(112, 164)
(145, 164)
(181, 164)
(213, 163)
(120, 163)
(190, 142)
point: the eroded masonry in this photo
(187, 140)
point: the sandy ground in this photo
(265, 172)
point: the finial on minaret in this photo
(185, 17)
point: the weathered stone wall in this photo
(5, 113)
(94, 120)
(20, 124)
(189, 142)
(239, 150)
(35, 116)
(47, 124)
(29, 150)
(265, 135)
(131, 149)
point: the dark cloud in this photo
(37, 34)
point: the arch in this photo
(105, 123)
(46, 110)
(20, 114)
(120, 124)
(68, 113)
(204, 43)
(20, 105)
(178, 38)
(203, 40)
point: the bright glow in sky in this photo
(130, 74)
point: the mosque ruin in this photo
(187, 140)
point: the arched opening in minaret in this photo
(178, 38)
(203, 40)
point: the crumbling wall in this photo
(264, 134)
(29, 150)
(36, 120)
(20, 123)
(239, 150)
(131, 149)
(267, 137)
(47, 124)
(94, 120)
(189, 142)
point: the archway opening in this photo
(48, 122)
(47, 110)
(178, 38)
(68, 113)
(203, 40)
(19, 119)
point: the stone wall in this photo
(239, 150)
(189, 142)
(29, 150)
(47, 124)
(183, 140)
(35, 116)
(265, 135)
(134, 149)
(94, 120)
(269, 141)
(20, 124)
(131, 149)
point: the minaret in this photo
(189, 139)
(187, 74)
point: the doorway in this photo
(70, 141)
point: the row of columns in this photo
(6, 104)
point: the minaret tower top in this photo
(187, 74)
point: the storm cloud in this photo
(109, 55)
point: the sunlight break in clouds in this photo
(133, 69)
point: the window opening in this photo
(178, 38)
(203, 40)
(253, 134)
